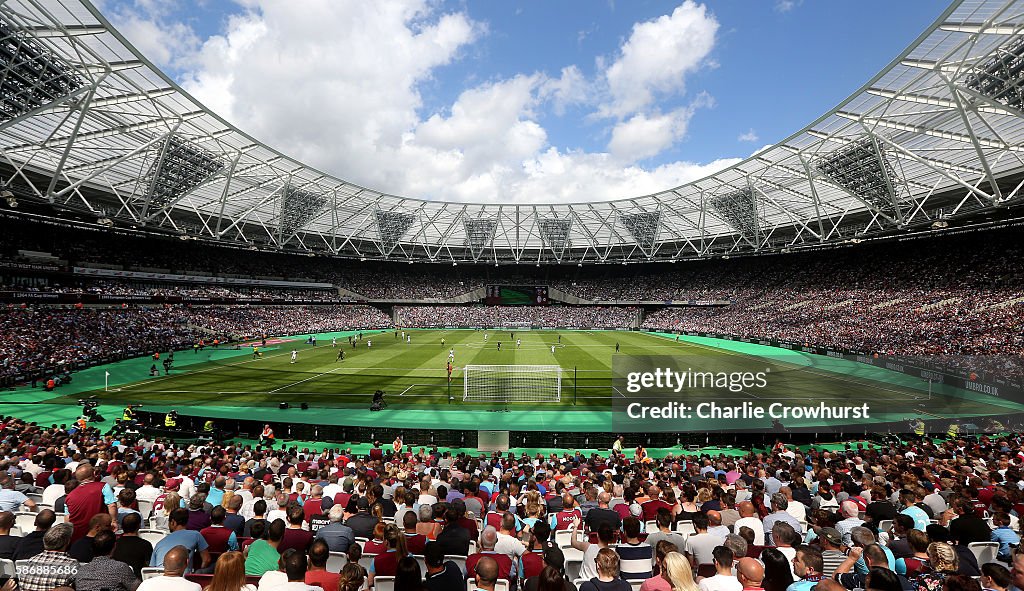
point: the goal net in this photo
(512, 383)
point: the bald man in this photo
(715, 526)
(486, 572)
(89, 498)
(750, 573)
(748, 518)
(175, 562)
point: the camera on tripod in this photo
(378, 401)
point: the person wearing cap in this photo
(832, 550)
(362, 523)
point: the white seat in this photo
(34, 497)
(472, 548)
(563, 537)
(336, 561)
(16, 532)
(651, 526)
(7, 568)
(685, 527)
(25, 521)
(366, 561)
(636, 585)
(145, 508)
(573, 568)
(502, 585)
(383, 583)
(985, 552)
(571, 553)
(884, 525)
(459, 560)
(150, 572)
(422, 562)
(153, 536)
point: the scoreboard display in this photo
(516, 295)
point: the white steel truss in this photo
(88, 122)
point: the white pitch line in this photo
(303, 381)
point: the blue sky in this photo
(521, 101)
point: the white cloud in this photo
(644, 136)
(657, 57)
(149, 26)
(337, 85)
(749, 136)
(787, 5)
(571, 88)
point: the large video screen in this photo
(516, 295)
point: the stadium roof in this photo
(88, 122)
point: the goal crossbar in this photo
(512, 383)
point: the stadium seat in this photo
(651, 526)
(337, 561)
(421, 561)
(459, 560)
(153, 536)
(150, 572)
(884, 525)
(7, 568)
(985, 552)
(636, 585)
(502, 585)
(571, 553)
(16, 531)
(383, 583)
(563, 538)
(573, 566)
(25, 521)
(145, 508)
(685, 527)
(366, 561)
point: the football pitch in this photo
(413, 373)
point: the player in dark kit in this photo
(499, 345)
(341, 355)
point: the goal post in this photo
(512, 383)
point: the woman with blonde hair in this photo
(172, 501)
(229, 574)
(945, 563)
(534, 509)
(660, 581)
(679, 573)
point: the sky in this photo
(543, 101)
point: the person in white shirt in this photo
(281, 512)
(723, 580)
(146, 492)
(507, 542)
(796, 509)
(748, 518)
(172, 580)
(295, 566)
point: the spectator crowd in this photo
(921, 515)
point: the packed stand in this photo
(921, 515)
(42, 341)
(498, 316)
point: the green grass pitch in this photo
(414, 373)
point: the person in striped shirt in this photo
(635, 557)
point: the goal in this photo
(512, 383)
